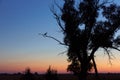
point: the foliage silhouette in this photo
(51, 74)
(84, 34)
(75, 67)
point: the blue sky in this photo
(20, 44)
(20, 23)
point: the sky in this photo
(20, 45)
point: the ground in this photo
(107, 76)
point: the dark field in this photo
(61, 77)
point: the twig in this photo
(62, 52)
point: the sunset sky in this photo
(20, 45)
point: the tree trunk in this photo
(84, 67)
(95, 67)
(83, 74)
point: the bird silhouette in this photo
(45, 33)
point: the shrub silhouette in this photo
(27, 75)
(51, 74)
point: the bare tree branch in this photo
(57, 5)
(92, 53)
(115, 48)
(109, 56)
(57, 17)
(62, 52)
(45, 35)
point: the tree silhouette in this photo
(85, 34)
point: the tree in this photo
(84, 34)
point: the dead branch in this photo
(108, 53)
(115, 48)
(57, 17)
(45, 35)
(62, 52)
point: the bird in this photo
(45, 34)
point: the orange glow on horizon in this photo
(42, 69)
(35, 66)
(58, 64)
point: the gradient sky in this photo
(21, 46)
